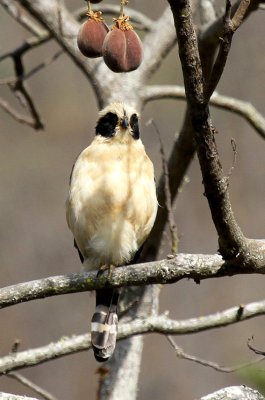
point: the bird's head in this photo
(118, 121)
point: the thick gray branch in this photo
(9, 396)
(234, 393)
(157, 44)
(191, 266)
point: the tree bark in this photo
(234, 393)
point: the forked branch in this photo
(232, 242)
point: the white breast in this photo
(112, 202)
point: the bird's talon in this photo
(106, 267)
(111, 270)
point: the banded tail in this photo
(104, 324)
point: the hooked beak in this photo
(124, 122)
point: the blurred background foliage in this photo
(254, 377)
(35, 241)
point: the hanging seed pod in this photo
(95, 1)
(122, 48)
(91, 35)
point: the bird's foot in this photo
(106, 267)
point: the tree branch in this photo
(182, 153)
(27, 45)
(23, 94)
(39, 355)
(168, 200)
(231, 239)
(191, 266)
(157, 44)
(10, 396)
(180, 353)
(24, 119)
(13, 10)
(230, 26)
(137, 17)
(240, 107)
(50, 16)
(35, 388)
(153, 324)
(34, 70)
(234, 392)
(256, 351)
(183, 148)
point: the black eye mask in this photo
(106, 125)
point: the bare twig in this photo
(243, 108)
(137, 17)
(240, 14)
(15, 346)
(17, 83)
(240, 107)
(27, 45)
(61, 21)
(256, 351)
(23, 96)
(185, 356)
(154, 324)
(15, 12)
(230, 26)
(233, 145)
(29, 384)
(168, 202)
(17, 116)
(34, 70)
(47, 15)
(27, 101)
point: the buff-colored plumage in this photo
(111, 208)
(112, 203)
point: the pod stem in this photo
(123, 3)
(89, 9)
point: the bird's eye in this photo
(106, 125)
(135, 126)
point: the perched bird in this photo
(110, 209)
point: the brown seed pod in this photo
(122, 48)
(91, 35)
(95, 1)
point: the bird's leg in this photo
(111, 270)
(106, 267)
